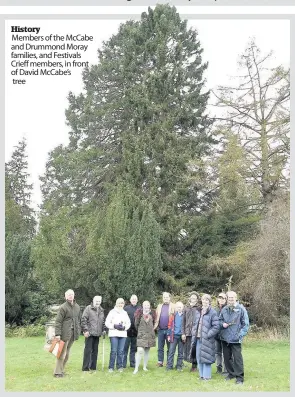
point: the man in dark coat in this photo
(67, 329)
(92, 325)
(220, 365)
(234, 323)
(189, 317)
(131, 333)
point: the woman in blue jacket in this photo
(205, 329)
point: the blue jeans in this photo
(130, 341)
(162, 338)
(117, 351)
(204, 369)
(176, 342)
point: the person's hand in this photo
(86, 334)
(225, 325)
(119, 327)
(168, 338)
(57, 337)
(183, 337)
(104, 333)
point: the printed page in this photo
(147, 162)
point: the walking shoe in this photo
(159, 364)
(219, 370)
(145, 369)
(135, 371)
(111, 370)
(179, 369)
(239, 382)
(120, 369)
(193, 369)
(58, 375)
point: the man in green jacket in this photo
(67, 329)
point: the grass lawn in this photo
(30, 368)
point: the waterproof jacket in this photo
(238, 319)
(68, 316)
(130, 309)
(171, 310)
(145, 329)
(93, 320)
(171, 324)
(116, 317)
(210, 328)
(189, 318)
(218, 311)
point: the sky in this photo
(36, 110)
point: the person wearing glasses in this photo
(234, 322)
(220, 367)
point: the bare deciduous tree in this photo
(257, 109)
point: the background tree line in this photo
(153, 191)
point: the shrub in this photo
(25, 331)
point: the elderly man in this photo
(163, 312)
(234, 322)
(67, 329)
(131, 333)
(92, 327)
(220, 366)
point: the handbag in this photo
(56, 347)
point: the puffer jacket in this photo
(68, 315)
(210, 328)
(116, 316)
(238, 319)
(145, 329)
(93, 320)
(189, 318)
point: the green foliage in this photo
(141, 124)
(24, 331)
(126, 249)
(19, 190)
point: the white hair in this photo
(69, 291)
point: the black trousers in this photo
(233, 360)
(90, 353)
(130, 342)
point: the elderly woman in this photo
(205, 329)
(144, 321)
(117, 322)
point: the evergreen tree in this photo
(141, 121)
(17, 187)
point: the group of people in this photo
(200, 333)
